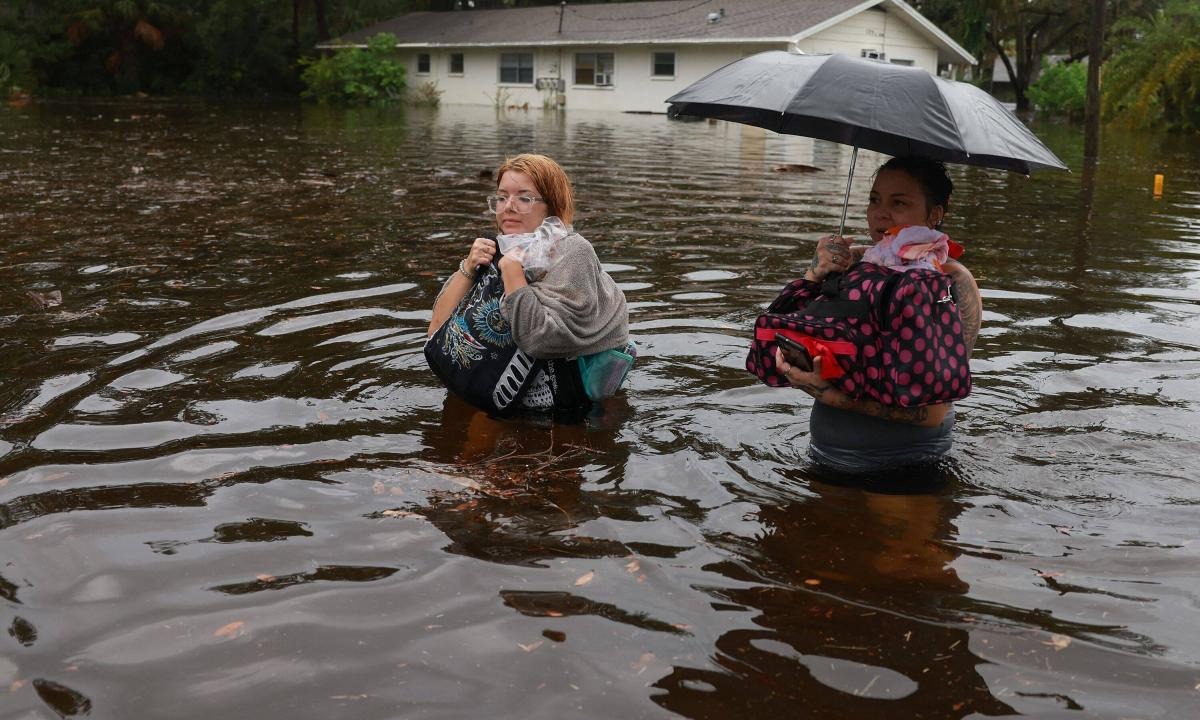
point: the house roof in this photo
(676, 22)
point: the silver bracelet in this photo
(462, 268)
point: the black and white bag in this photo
(475, 355)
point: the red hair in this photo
(549, 179)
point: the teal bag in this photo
(602, 373)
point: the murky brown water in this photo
(229, 487)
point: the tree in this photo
(1021, 32)
(244, 48)
(1036, 28)
(1154, 72)
(132, 41)
(963, 20)
(1091, 142)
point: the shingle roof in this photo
(669, 20)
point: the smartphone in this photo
(794, 352)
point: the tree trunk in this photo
(296, 5)
(1012, 72)
(322, 20)
(1091, 141)
(1021, 79)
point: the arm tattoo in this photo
(972, 311)
(817, 391)
(970, 305)
(825, 393)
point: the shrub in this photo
(362, 76)
(426, 94)
(1061, 90)
(500, 99)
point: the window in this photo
(663, 64)
(456, 63)
(874, 54)
(423, 63)
(516, 68)
(594, 69)
(906, 63)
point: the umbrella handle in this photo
(849, 181)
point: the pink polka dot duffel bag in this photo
(893, 336)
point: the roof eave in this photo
(557, 43)
(948, 50)
(955, 53)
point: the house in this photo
(632, 56)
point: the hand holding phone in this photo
(795, 353)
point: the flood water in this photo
(230, 486)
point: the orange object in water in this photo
(1158, 185)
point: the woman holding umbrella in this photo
(862, 435)
(902, 112)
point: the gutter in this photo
(558, 43)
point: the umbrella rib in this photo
(953, 119)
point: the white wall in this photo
(875, 30)
(634, 89)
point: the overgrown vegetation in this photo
(1061, 90)
(1153, 77)
(500, 99)
(1021, 32)
(426, 94)
(358, 76)
(107, 47)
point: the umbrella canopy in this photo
(892, 109)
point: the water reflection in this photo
(853, 617)
(524, 502)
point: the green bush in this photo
(359, 76)
(1061, 90)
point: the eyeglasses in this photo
(522, 204)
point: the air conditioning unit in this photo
(603, 78)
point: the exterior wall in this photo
(479, 82)
(633, 88)
(875, 30)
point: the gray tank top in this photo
(854, 443)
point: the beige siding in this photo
(634, 89)
(874, 30)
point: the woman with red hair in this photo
(567, 306)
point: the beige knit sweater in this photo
(575, 309)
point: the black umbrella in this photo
(892, 109)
